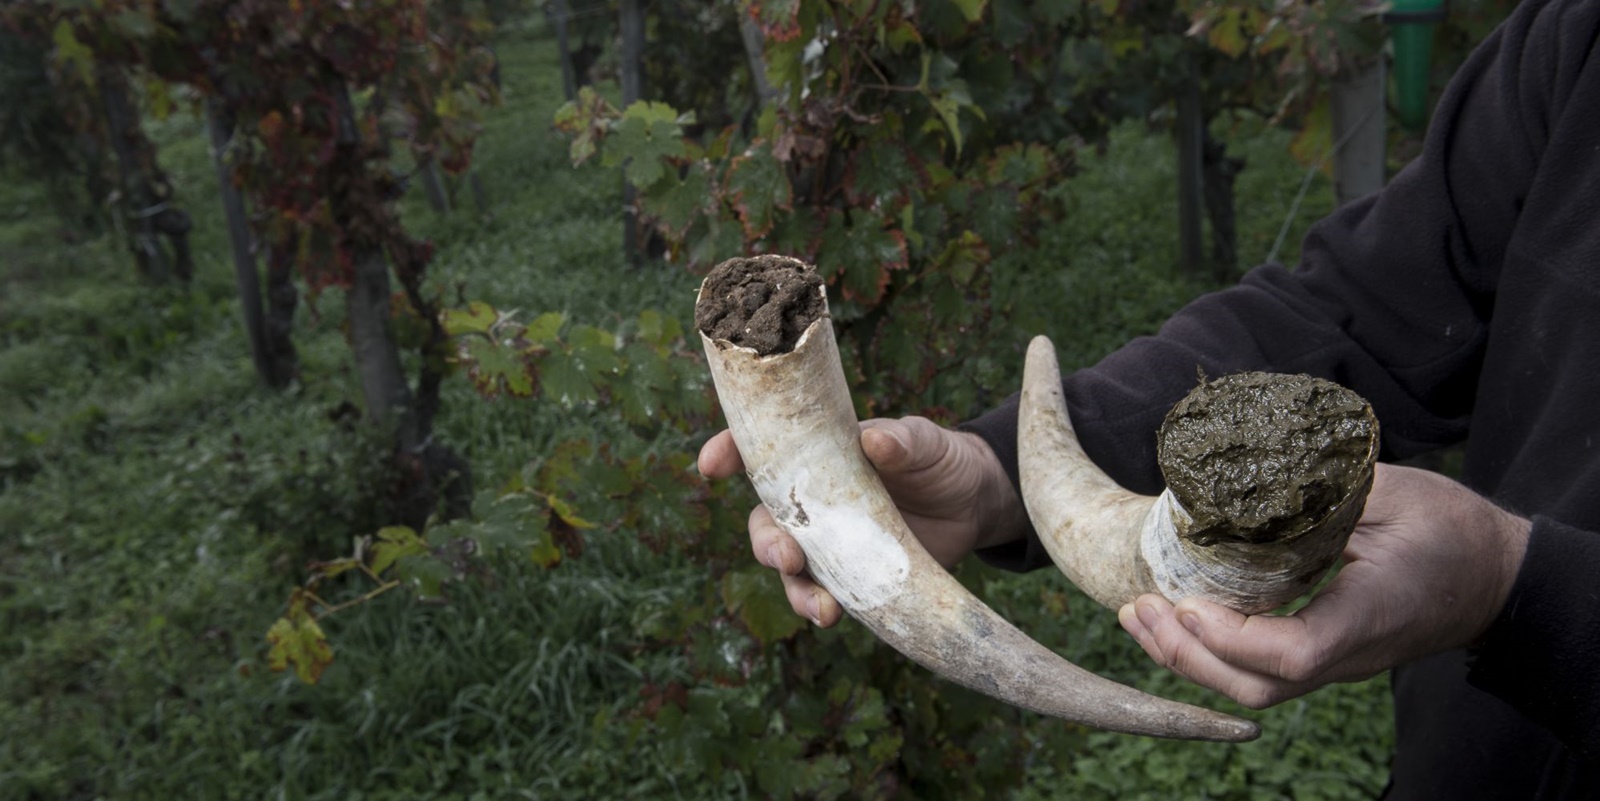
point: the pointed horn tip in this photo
(1040, 364)
(1041, 345)
(1238, 730)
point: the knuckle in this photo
(1255, 695)
(1175, 656)
(1301, 664)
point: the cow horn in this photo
(792, 420)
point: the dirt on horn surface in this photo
(1264, 457)
(763, 302)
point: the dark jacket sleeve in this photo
(1393, 298)
(1543, 653)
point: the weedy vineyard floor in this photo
(156, 505)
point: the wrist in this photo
(1510, 541)
(1502, 544)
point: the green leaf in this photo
(568, 515)
(676, 203)
(596, 352)
(333, 567)
(900, 33)
(423, 572)
(1315, 140)
(882, 170)
(758, 188)
(544, 328)
(393, 542)
(586, 120)
(963, 256)
(564, 380)
(756, 596)
(134, 24)
(862, 255)
(71, 51)
(477, 318)
(971, 9)
(949, 111)
(297, 639)
(1227, 33)
(658, 329)
(497, 367)
(159, 97)
(648, 133)
(544, 552)
(1019, 165)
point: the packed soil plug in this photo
(1267, 475)
(763, 322)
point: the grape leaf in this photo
(758, 189)
(971, 9)
(758, 599)
(297, 639)
(647, 133)
(544, 328)
(881, 170)
(863, 256)
(496, 367)
(392, 543)
(564, 380)
(676, 202)
(477, 318)
(1315, 139)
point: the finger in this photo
(1293, 648)
(719, 457)
(905, 445)
(773, 546)
(810, 601)
(1154, 623)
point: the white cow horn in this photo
(1116, 545)
(792, 420)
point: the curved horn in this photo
(792, 420)
(1116, 545)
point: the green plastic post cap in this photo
(1413, 22)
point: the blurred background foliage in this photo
(175, 537)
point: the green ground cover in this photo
(156, 506)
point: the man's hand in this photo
(949, 486)
(1427, 570)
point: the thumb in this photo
(904, 445)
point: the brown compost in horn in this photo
(771, 350)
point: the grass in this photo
(156, 505)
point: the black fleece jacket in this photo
(1464, 302)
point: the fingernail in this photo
(1147, 615)
(1130, 619)
(1190, 621)
(772, 557)
(814, 609)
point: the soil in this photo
(1263, 457)
(763, 303)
